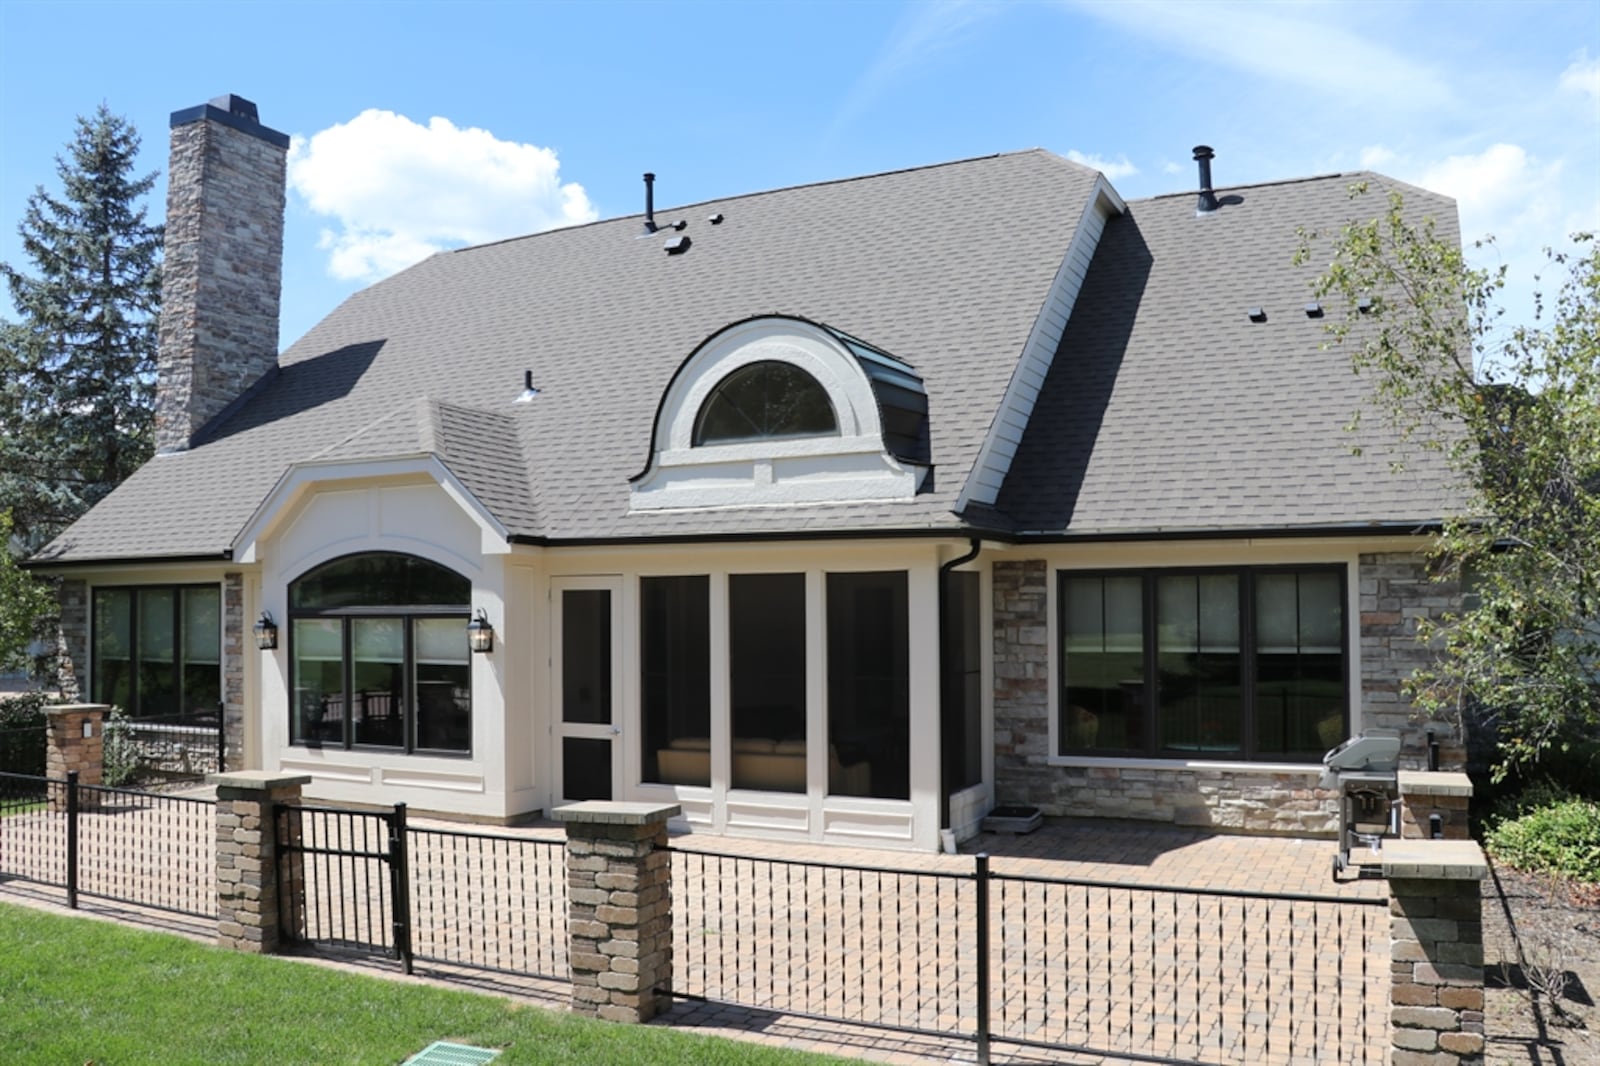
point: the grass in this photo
(76, 991)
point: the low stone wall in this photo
(1241, 800)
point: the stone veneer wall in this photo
(1396, 590)
(223, 265)
(234, 637)
(72, 637)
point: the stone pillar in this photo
(235, 641)
(248, 905)
(1022, 773)
(619, 909)
(1436, 951)
(75, 741)
(1424, 794)
(72, 637)
(1396, 591)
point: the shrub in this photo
(1560, 838)
(22, 733)
(119, 753)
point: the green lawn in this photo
(74, 991)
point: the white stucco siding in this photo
(418, 518)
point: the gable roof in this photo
(1157, 377)
(1168, 409)
(946, 266)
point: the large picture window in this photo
(1235, 664)
(157, 650)
(378, 647)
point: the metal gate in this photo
(342, 880)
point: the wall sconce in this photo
(266, 631)
(480, 634)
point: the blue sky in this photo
(425, 125)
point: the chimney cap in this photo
(236, 113)
(1203, 151)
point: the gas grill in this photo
(1366, 771)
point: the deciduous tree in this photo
(1517, 411)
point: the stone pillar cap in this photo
(1434, 783)
(76, 708)
(1434, 860)
(257, 780)
(613, 812)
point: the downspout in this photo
(944, 667)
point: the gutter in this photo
(976, 545)
(46, 565)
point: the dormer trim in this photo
(868, 389)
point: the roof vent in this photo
(1313, 310)
(716, 219)
(528, 391)
(1208, 199)
(649, 204)
(676, 245)
(1364, 305)
(1257, 314)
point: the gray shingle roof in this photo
(1166, 408)
(946, 266)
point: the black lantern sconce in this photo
(266, 631)
(480, 634)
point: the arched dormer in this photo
(776, 410)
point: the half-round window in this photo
(763, 401)
(379, 579)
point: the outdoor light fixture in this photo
(266, 631)
(480, 634)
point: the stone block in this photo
(1462, 1043)
(1423, 1018)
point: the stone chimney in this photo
(223, 269)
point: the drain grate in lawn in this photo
(442, 1053)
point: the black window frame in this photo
(133, 707)
(408, 615)
(1149, 578)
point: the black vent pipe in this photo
(1208, 199)
(649, 203)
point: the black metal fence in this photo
(1154, 973)
(367, 882)
(150, 849)
(167, 748)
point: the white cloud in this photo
(1112, 169)
(397, 191)
(1375, 157)
(1501, 190)
(1310, 45)
(1583, 75)
(1169, 167)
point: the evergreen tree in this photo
(77, 371)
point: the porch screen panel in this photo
(1103, 698)
(586, 657)
(318, 699)
(869, 703)
(1300, 674)
(442, 681)
(113, 647)
(675, 668)
(767, 666)
(1200, 670)
(961, 736)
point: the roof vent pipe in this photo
(649, 202)
(1208, 199)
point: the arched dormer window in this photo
(765, 401)
(778, 410)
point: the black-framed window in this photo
(1236, 663)
(157, 649)
(378, 655)
(762, 401)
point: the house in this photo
(835, 513)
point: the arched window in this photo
(765, 400)
(378, 647)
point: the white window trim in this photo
(848, 466)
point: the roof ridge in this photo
(1260, 185)
(765, 192)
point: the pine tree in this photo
(77, 372)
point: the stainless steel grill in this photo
(1366, 771)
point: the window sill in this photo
(1128, 763)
